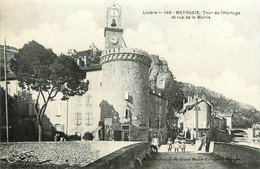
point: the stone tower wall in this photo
(126, 70)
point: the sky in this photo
(221, 53)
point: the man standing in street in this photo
(207, 142)
(203, 141)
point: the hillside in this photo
(162, 79)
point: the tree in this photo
(39, 69)
(175, 97)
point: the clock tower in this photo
(113, 30)
(125, 74)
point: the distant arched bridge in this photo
(239, 130)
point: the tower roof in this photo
(113, 16)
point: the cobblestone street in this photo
(189, 159)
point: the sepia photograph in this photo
(121, 84)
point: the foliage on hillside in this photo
(89, 56)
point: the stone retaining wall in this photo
(73, 153)
(127, 157)
(239, 154)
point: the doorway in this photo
(117, 135)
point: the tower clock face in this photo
(114, 40)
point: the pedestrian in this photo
(56, 137)
(183, 145)
(155, 143)
(188, 134)
(207, 143)
(170, 144)
(203, 140)
(176, 144)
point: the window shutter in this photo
(62, 128)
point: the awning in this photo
(97, 129)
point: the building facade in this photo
(78, 114)
(189, 121)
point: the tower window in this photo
(126, 95)
(127, 113)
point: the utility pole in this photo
(6, 94)
(197, 119)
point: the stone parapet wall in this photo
(127, 157)
(136, 55)
(125, 50)
(239, 154)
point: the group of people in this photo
(57, 137)
(179, 143)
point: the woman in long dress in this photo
(183, 145)
(176, 144)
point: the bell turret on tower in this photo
(113, 30)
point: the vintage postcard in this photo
(129, 84)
